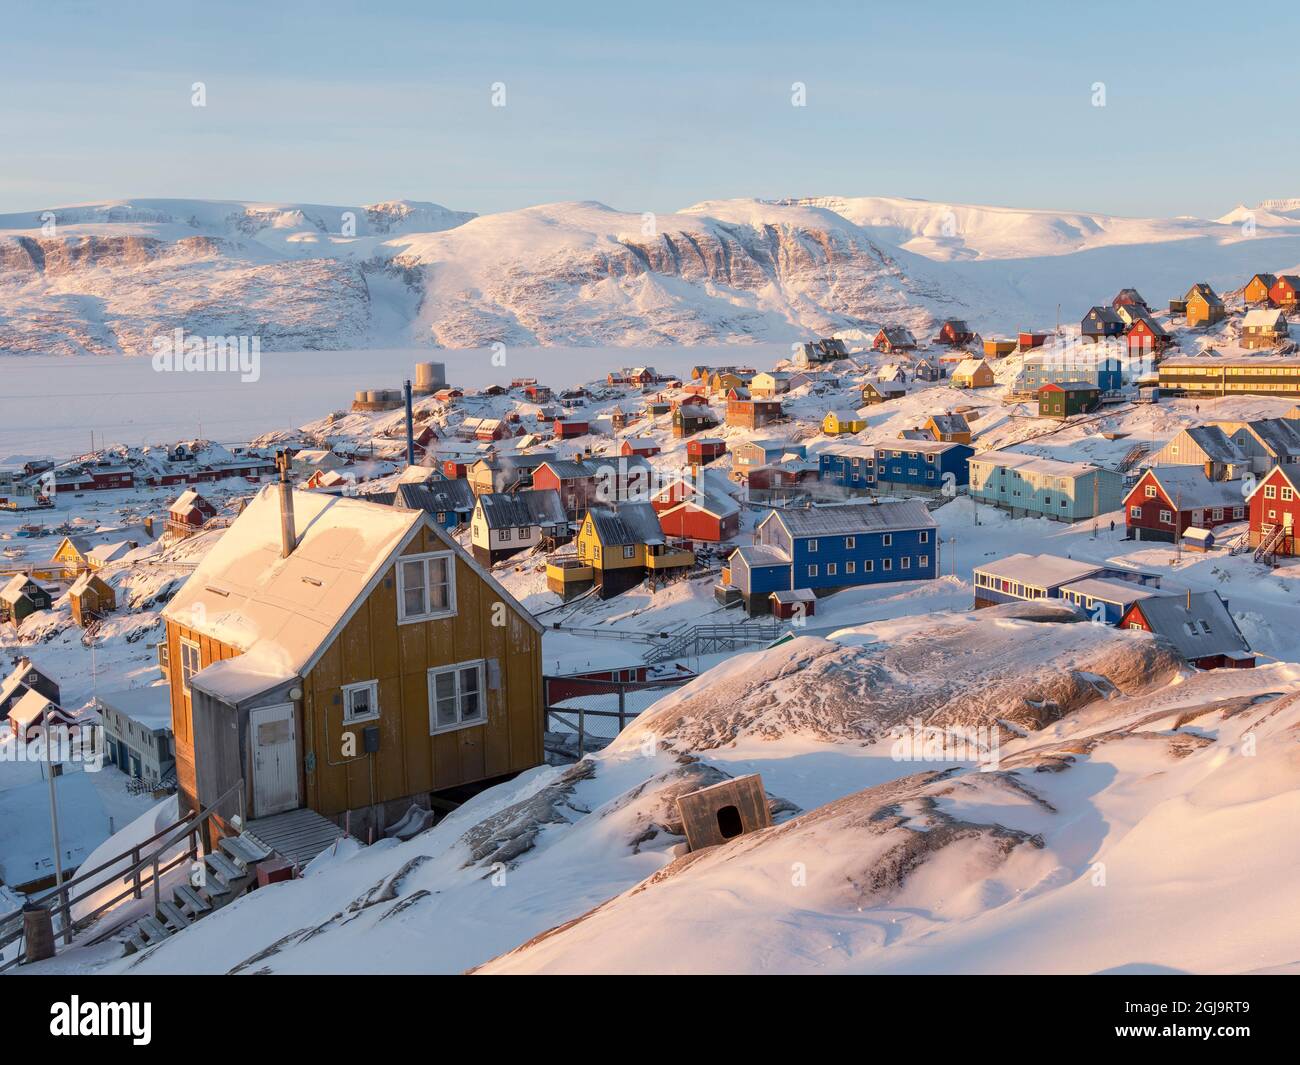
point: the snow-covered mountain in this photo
(107, 277)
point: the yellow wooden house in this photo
(349, 659)
(1204, 306)
(1258, 287)
(840, 422)
(725, 381)
(973, 373)
(73, 554)
(618, 547)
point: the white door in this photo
(275, 760)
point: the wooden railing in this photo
(144, 870)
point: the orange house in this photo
(349, 658)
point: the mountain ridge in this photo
(104, 278)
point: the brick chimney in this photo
(288, 535)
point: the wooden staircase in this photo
(1268, 546)
(226, 874)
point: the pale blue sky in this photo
(649, 106)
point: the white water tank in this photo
(430, 376)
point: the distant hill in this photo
(107, 277)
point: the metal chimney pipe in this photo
(288, 534)
(410, 428)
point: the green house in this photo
(1067, 398)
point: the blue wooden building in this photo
(922, 466)
(825, 549)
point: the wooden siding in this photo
(210, 651)
(373, 646)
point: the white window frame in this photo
(192, 645)
(455, 670)
(427, 615)
(371, 686)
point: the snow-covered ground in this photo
(1108, 839)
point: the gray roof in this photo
(855, 518)
(515, 510)
(951, 423)
(1216, 444)
(1278, 435)
(1110, 590)
(899, 335)
(436, 497)
(1188, 488)
(627, 523)
(569, 469)
(1205, 629)
(755, 555)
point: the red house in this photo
(639, 445)
(1166, 501)
(1285, 291)
(1031, 340)
(1274, 509)
(955, 333)
(1146, 334)
(537, 393)
(800, 603)
(188, 514)
(1199, 626)
(689, 513)
(574, 481)
(702, 452)
(570, 427)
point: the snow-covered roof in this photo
(1110, 590)
(854, 518)
(516, 510)
(1040, 571)
(799, 595)
(1018, 460)
(1198, 624)
(244, 594)
(1188, 488)
(1264, 318)
(968, 366)
(106, 553)
(627, 523)
(1278, 435)
(754, 555)
(1215, 443)
(150, 706)
(84, 581)
(30, 707)
(18, 586)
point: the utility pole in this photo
(1178, 527)
(54, 832)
